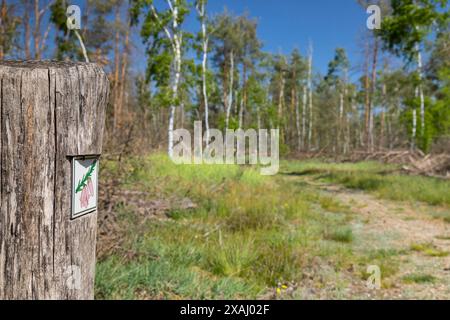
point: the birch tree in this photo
(162, 32)
(204, 38)
(96, 32)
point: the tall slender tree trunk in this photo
(182, 115)
(205, 41)
(383, 118)
(258, 117)
(311, 124)
(27, 31)
(420, 88)
(281, 99)
(235, 102)
(305, 107)
(3, 15)
(372, 93)
(339, 141)
(243, 97)
(205, 93)
(124, 68)
(389, 129)
(414, 128)
(297, 122)
(38, 38)
(116, 71)
(241, 113)
(230, 90)
(83, 48)
(344, 114)
(177, 42)
(356, 142)
(36, 31)
(367, 110)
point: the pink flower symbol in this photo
(86, 194)
(90, 187)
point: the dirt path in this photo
(419, 242)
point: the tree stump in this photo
(49, 112)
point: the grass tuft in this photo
(340, 234)
(419, 278)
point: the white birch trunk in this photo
(414, 125)
(83, 48)
(205, 41)
(414, 130)
(176, 43)
(420, 88)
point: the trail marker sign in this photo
(84, 185)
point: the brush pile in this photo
(413, 162)
(410, 162)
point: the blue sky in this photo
(288, 24)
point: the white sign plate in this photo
(84, 185)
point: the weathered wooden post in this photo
(50, 113)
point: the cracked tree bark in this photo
(48, 111)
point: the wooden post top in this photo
(48, 111)
(44, 64)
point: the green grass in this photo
(418, 278)
(428, 249)
(341, 234)
(247, 234)
(376, 178)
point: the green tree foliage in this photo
(248, 88)
(338, 67)
(159, 48)
(9, 23)
(410, 22)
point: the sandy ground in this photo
(390, 225)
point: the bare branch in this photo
(44, 39)
(83, 48)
